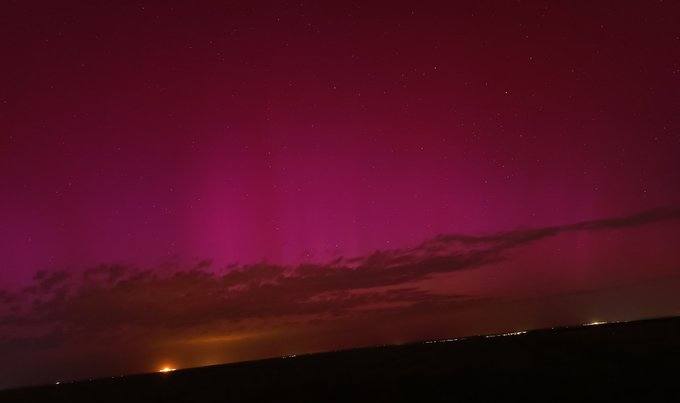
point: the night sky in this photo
(193, 183)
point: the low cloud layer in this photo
(110, 301)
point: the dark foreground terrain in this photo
(635, 361)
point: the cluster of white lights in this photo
(595, 323)
(166, 369)
(445, 341)
(506, 334)
(486, 336)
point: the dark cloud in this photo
(508, 239)
(108, 299)
(45, 282)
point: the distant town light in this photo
(517, 333)
(166, 369)
(595, 323)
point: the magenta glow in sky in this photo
(269, 179)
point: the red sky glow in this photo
(185, 184)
